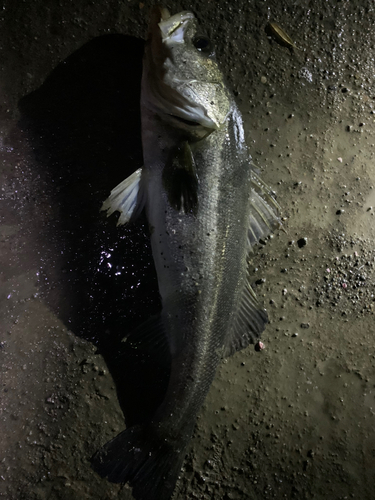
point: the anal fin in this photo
(150, 336)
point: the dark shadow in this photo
(83, 126)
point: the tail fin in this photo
(149, 465)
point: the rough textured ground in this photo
(295, 420)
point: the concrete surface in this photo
(293, 421)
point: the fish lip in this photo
(173, 28)
(199, 115)
(200, 129)
(194, 118)
(191, 123)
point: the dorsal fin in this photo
(264, 215)
(249, 321)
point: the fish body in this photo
(206, 208)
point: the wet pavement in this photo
(295, 420)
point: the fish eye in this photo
(202, 43)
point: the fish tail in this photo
(148, 464)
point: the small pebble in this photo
(259, 346)
(260, 281)
(339, 159)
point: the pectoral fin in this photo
(127, 198)
(181, 181)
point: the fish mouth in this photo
(172, 28)
(170, 94)
(185, 121)
(195, 128)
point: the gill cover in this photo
(181, 82)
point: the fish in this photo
(207, 208)
(277, 33)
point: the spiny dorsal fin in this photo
(180, 179)
(127, 198)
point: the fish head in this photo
(182, 82)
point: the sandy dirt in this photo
(295, 420)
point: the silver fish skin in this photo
(206, 208)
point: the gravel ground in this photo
(295, 420)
